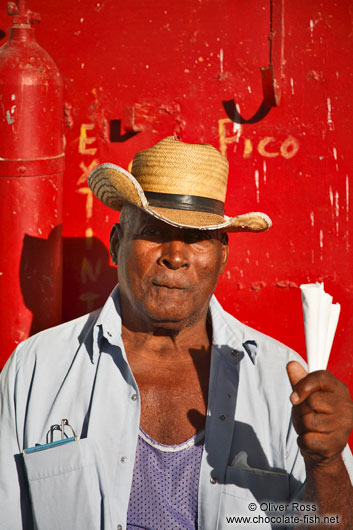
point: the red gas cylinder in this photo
(31, 174)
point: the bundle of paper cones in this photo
(320, 323)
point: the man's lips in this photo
(168, 285)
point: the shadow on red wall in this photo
(81, 285)
(88, 277)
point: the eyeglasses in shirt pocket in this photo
(66, 487)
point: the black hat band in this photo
(185, 202)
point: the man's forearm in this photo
(329, 487)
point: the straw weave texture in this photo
(105, 181)
(186, 169)
(174, 167)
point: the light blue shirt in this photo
(79, 371)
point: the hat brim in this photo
(115, 187)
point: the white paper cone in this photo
(334, 316)
(323, 325)
(320, 323)
(311, 307)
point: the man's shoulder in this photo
(258, 344)
(62, 339)
(49, 353)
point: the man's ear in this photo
(225, 251)
(115, 235)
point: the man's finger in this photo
(295, 372)
(313, 422)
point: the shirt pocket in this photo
(251, 493)
(65, 487)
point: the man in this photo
(183, 413)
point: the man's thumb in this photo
(295, 372)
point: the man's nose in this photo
(175, 254)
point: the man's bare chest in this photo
(173, 400)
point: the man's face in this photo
(166, 274)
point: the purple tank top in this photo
(165, 483)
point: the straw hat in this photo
(181, 184)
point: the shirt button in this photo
(119, 527)
(123, 459)
(213, 480)
(234, 352)
(109, 334)
(134, 397)
(222, 417)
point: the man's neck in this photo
(165, 344)
(172, 373)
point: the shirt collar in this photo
(108, 324)
(231, 339)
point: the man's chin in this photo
(167, 323)
(169, 314)
(160, 323)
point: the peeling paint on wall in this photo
(337, 211)
(257, 185)
(329, 115)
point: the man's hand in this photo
(322, 413)
(323, 418)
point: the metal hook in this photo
(272, 74)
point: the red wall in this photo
(175, 64)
